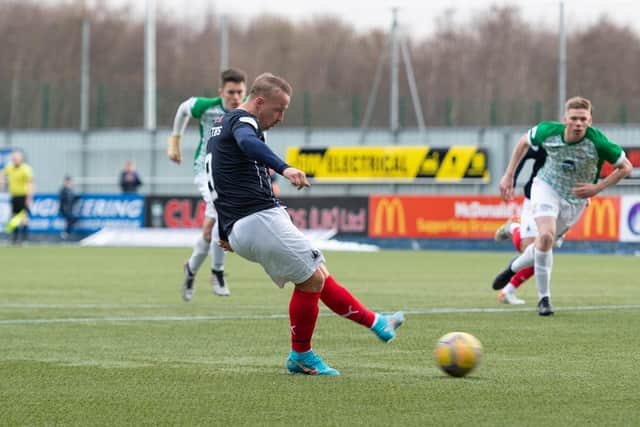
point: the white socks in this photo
(524, 260)
(203, 248)
(509, 288)
(217, 257)
(217, 253)
(542, 263)
(542, 268)
(513, 227)
(200, 251)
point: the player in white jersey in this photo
(559, 194)
(209, 112)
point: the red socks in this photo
(341, 302)
(516, 239)
(303, 313)
(524, 274)
(521, 276)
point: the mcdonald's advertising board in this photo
(630, 219)
(455, 164)
(600, 221)
(455, 217)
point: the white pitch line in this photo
(426, 311)
(81, 306)
(514, 309)
(142, 319)
(35, 306)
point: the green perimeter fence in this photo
(56, 105)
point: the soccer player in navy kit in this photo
(254, 224)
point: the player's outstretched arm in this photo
(296, 177)
(585, 190)
(174, 153)
(180, 121)
(506, 182)
(255, 149)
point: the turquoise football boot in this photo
(386, 325)
(308, 363)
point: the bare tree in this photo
(497, 68)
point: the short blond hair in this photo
(578, 103)
(266, 84)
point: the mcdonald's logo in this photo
(601, 211)
(390, 212)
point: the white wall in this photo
(94, 160)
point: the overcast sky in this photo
(415, 16)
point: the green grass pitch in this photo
(100, 336)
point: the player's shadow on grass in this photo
(450, 378)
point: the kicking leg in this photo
(343, 303)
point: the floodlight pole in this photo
(394, 45)
(394, 98)
(413, 88)
(84, 77)
(150, 66)
(371, 102)
(84, 101)
(224, 43)
(562, 63)
(150, 107)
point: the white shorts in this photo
(202, 182)
(545, 201)
(269, 238)
(528, 227)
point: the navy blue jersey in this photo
(238, 161)
(539, 156)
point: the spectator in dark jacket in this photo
(129, 178)
(67, 199)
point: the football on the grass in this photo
(458, 353)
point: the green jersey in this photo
(209, 111)
(568, 164)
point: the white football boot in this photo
(218, 284)
(509, 298)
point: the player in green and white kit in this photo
(559, 194)
(209, 111)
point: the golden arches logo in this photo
(600, 210)
(390, 212)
